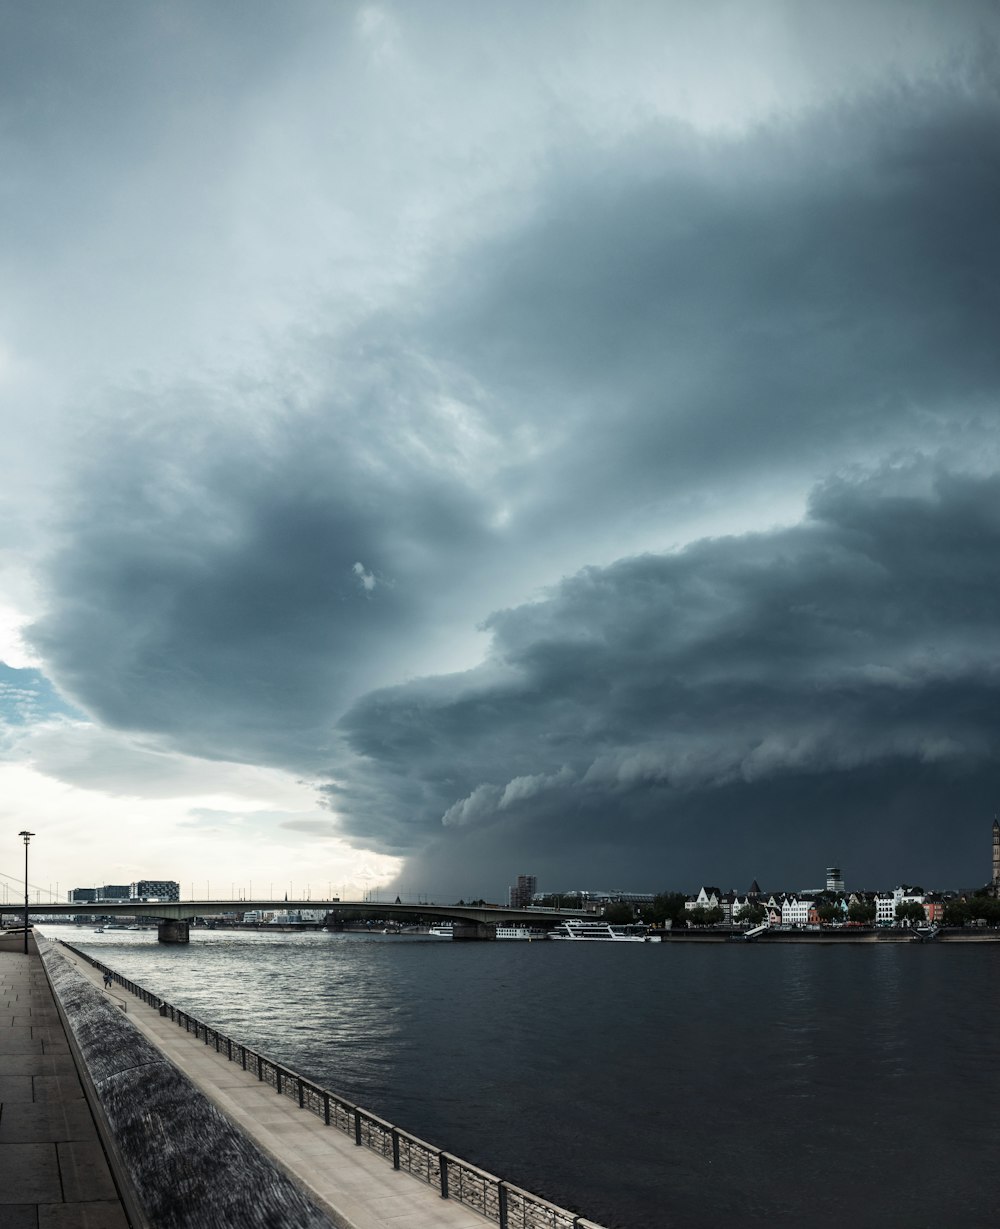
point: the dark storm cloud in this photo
(676, 324)
(686, 314)
(752, 680)
(230, 584)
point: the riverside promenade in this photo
(353, 1187)
(53, 1170)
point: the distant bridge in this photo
(175, 916)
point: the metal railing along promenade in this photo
(499, 1201)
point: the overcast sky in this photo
(444, 441)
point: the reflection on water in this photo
(646, 1085)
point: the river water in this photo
(644, 1085)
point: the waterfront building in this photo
(885, 908)
(795, 910)
(81, 896)
(521, 895)
(707, 898)
(834, 879)
(113, 891)
(886, 903)
(910, 896)
(934, 908)
(742, 903)
(156, 889)
(595, 902)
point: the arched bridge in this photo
(175, 916)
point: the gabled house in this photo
(739, 904)
(707, 898)
(795, 911)
(934, 907)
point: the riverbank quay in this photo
(178, 1162)
(54, 1173)
(362, 1170)
(833, 935)
(737, 934)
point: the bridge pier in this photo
(473, 930)
(174, 931)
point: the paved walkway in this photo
(53, 1172)
(356, 1188)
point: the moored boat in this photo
(519, 932)
(592, 932)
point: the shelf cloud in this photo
(560, 453)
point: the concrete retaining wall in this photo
(188, 1166)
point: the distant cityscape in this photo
(832, 904)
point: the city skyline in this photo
(518, 893)
(441, 440)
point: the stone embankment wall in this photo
(187, 1166)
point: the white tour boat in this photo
(592, 932)
(519, 932)
(446, 930)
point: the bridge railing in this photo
(499, 1201)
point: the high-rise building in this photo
(996, 858)
(521, 896)
(834, 879)
(112, 891)
(160, 889)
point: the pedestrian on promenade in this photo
(107, 980)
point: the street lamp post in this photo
(27, 837)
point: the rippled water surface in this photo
(644, 1085)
